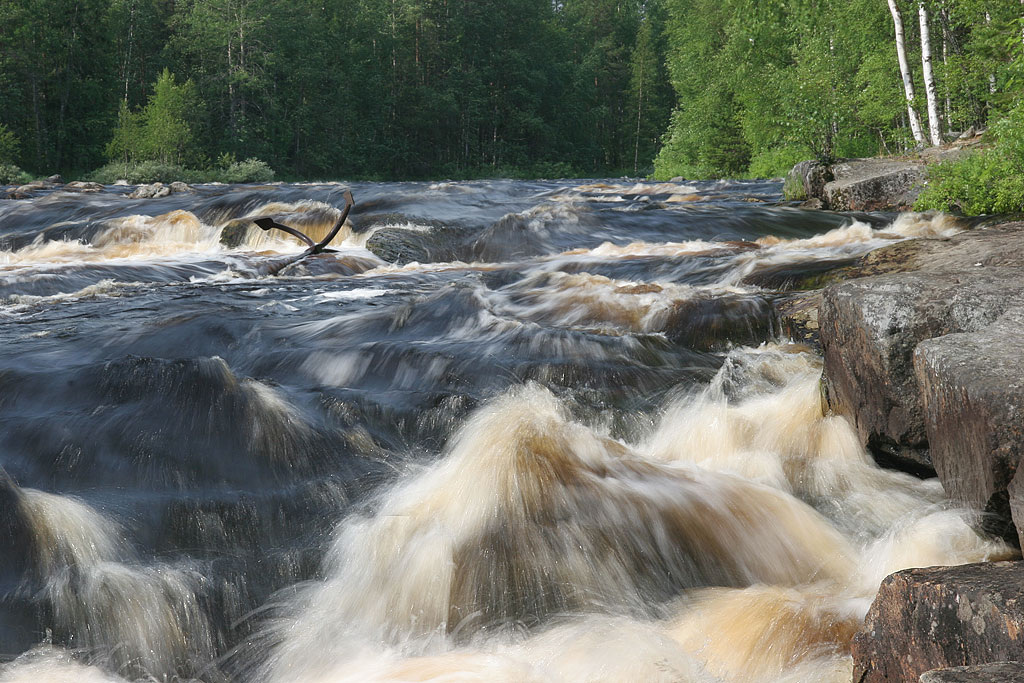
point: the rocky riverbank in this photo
(923, 353)
(874, 184)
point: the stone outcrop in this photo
(874, 185)
(871, 327)
(938, 617)
(82, 186)
(151, 191)
(996, 672)
(972, 387)
(856, 184)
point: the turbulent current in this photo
(508, 431)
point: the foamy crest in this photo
(46, 664)
(531, 514)
(146, 619)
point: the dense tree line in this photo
(762, 84)
(335, 88)
(457, 88)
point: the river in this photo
(516, 431)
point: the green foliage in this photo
(777, 161)
(12, 175)
(161, 131)
(986, 182)
(353, 88)
(752, 77)
(982, 183)
(249, 171)
(137, 173)
(9, 145)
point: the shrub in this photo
(144, 172)
(777, 162)
(982, 183)
(985, 182)
(249, 171)
(12, 175)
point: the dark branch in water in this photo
(268, 223)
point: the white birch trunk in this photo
(991, 77)
(934, 124)
(908, 83)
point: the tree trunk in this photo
(991, 76)
(934, 124)
(908, 83)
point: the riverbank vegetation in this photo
(395, 89)
(761, 84)
(337, 88)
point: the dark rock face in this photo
(711, 324)
(972, 386)
(1016, 495)
(870, 328)
(938, 617)
(996, 672)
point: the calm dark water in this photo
(204, 439)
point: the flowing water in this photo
(516, 431)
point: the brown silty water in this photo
(510, 431)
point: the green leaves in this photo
(161, 131)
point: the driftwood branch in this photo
(267, 223)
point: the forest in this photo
(405, 89)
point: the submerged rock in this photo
(923, 619)
(403, 239)
(715, 324)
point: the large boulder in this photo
(874, 185)
(972, 386)
(807, 180)
(870, 328)
(856, 184)
(924, 619)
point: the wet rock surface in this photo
(871, 326)
(972, 386)
(996, 672)
(938, 617)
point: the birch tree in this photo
(908, 82)
(934, 124)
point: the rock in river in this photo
(923, 619)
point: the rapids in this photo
(518, 431)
